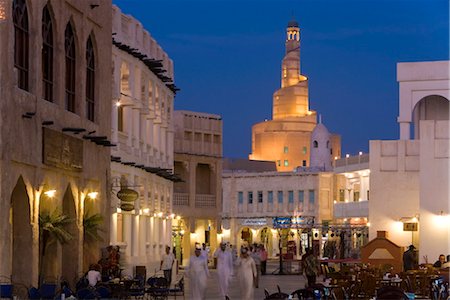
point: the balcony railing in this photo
(181, 199)
(351, 209)
(205, 201)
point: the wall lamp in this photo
(92, 195)
(50, 193)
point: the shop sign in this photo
(61, 151)
(410, 227)
(255, 222)
(293, 222)
(127, 198)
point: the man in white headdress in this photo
(246, 274)
(224, 268)
(198, 274)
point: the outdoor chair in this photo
(103, 292)
(33, 293)
(158, 288)
(277, 296)
(6, 290)
(178, 289)
(47, 291)
(137, 288)
(391, 293)
(303, 294)
(86, 293)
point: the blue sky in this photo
(227, 56)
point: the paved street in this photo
(287, 283)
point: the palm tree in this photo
(92, 227)
(52, 229)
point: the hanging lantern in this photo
(127, 198)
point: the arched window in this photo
(90, 80)
(47, 55)
(315, 144)
(21, 60)
(70, 68)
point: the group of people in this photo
(410, 260)
(248, 267)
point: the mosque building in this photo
(288, 139)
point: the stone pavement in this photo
(287, 283)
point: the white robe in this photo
(224, 270)
(246, 273)
(198, 275)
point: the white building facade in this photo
(277, 208)
(409, 179)
(142, 107)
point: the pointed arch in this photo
(21, 43)
(70, 60)
(70, 250)
(22, 234)
(47, 54)
(90, 80)
(315, 144)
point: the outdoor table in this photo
(392, 282)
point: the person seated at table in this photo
(94, 276)
(440, 261)
(447, 264)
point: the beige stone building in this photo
(409, 177)
(198, 198)
(142, 127)
(286, 139)
(55, 86)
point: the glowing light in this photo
(368, 224)
(414, 220)
(119, 210)
(335, 201)
(182, 231)
(146, 210)
(118, 103)
(178, 218)
(93, 195)
(50, 193)
(360, 153)
(172, 216)
(160, 214)
(335, 158)
(347, 155)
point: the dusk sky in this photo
(227, 56)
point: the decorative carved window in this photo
(21, 41)
(47, 55)
(90, 81)
(70, 68)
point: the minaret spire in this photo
(291, 61)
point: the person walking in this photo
(224, 269)
(166, 265)
(254, 252)
(311, 266)
(246, 274)
(197, 273)
(263, 255)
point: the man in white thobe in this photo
(224, 268)
(198, 275)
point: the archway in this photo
(246, 236)
(22, 235)
(70, 250)
(265, 237)
(433, 107)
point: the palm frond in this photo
(54, 224)
(92, 227)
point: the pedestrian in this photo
(205, 253)
(197, 273)
(166, 265)
(311, 267)
(224, 269)
(257, 258)
(440, 261)
(409, 259)
(263, 255)
(246, 274)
